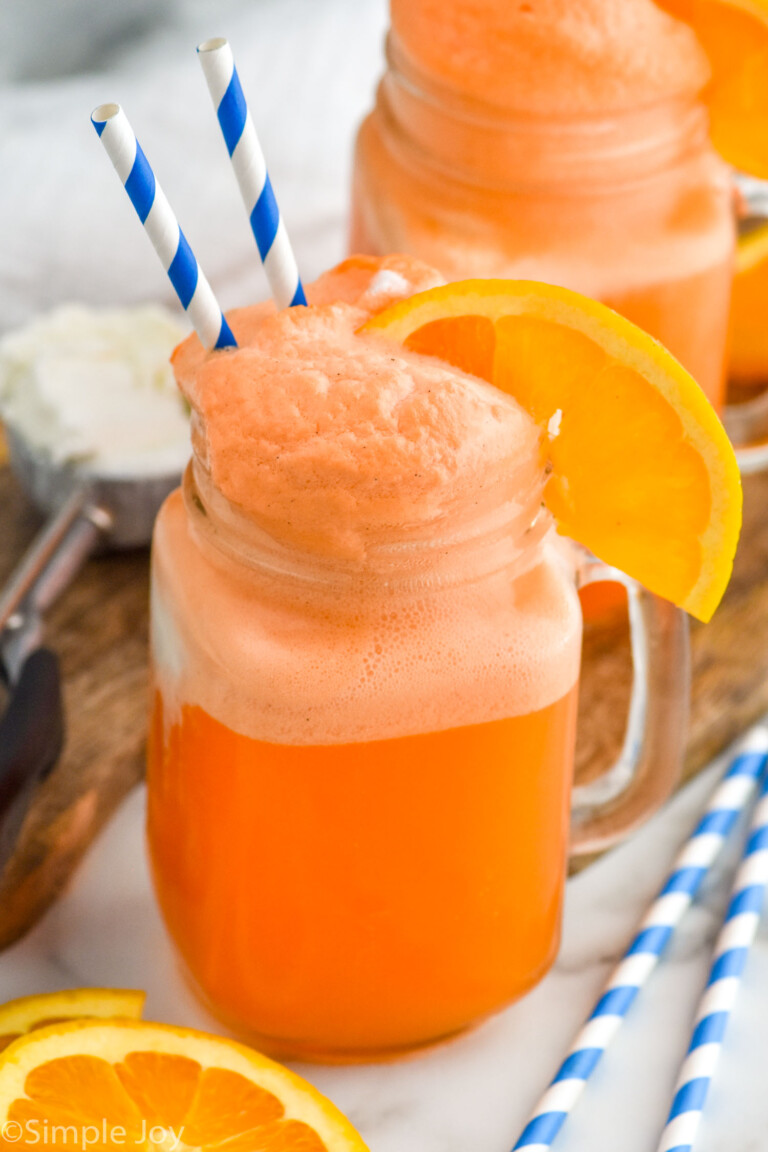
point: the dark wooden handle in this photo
(31, 740)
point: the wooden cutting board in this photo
(99, 629)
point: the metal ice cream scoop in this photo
(86, 512)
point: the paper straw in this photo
(730, 956)
(691, 865)
(251, 171)
(161, 225)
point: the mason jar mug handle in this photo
(648, 766)
(747, 423)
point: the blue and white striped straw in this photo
(251, 171)
(162, 227)
(693, 862)
(730, 956)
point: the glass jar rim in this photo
(506, 535)
(488, 113)
(623, 146)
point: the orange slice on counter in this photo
(642, 472)
(748, 354)
(31, 1012)
(734, 34)
(158, 1088)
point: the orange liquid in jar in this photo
(355, 899)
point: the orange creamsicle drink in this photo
(366, 647)
(557, 141)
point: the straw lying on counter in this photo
(730, 799)
(251, 171)
(730, 956)
(162, 227)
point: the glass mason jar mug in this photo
(632, 207)
(359, 779)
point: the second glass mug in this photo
(359, 782)
(635, 209)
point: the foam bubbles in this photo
(283, 665)
(330, 443)
(553, 57)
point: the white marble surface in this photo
(474, 1094)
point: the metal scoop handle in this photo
(52, 561)
(32, 726)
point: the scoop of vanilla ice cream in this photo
(331, 440)
(94, 388)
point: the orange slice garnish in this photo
(748, 354)
(30, 1012)
(642, 472)
(156, 1087)
(734, 34)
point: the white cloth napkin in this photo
(309, 69)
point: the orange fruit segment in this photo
(157, 1087)
(748, 356)
(642, 472)
(30, 1012)
(734, 34)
